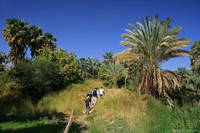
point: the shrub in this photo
(37, 77)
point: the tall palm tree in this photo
(33, 39)
(14, 34)
(21, 37)
(151, 44)
(116, 72)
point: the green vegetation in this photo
(28, 126)
(38, 94)
(120, 110)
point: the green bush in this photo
(67, 63)
(38, 77)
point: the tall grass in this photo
(138, 113)
(12, 100)
(71, 98)
(120, 110)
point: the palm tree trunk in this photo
(115, 84)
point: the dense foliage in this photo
(51, 70)
(195, 54)
(67, 63)
(38, 77)
(3, 61)
(191, 84)
(89, 67)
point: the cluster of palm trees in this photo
(21, 37)
(108, 68)
(150, 43)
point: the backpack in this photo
(94, 92)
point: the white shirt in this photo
(101, 91)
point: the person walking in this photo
(95, 95)
(90, 95)
(87, 105)
(101, 92)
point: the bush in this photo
(38, 77)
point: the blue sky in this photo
(91, 28)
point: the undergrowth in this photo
(120, 111)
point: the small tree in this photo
(116, 72)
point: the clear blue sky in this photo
(91, 28)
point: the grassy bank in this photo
(119, 111)
(124, 111)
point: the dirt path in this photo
(80, 121)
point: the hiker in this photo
(90, 95)
(95, 95)
(101, 92)
(87, 105)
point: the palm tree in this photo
(14, 34)
(195, 54)
(183, 72)
(150, 45)
(108, 58)
(46, 40)
(21, 37)
(116, 72)
(83, 67)
(35, 33)
(93, 66)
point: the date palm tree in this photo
(108, 58)
(93, 66)
(151, 44)
(183, 72)
(115, 72)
